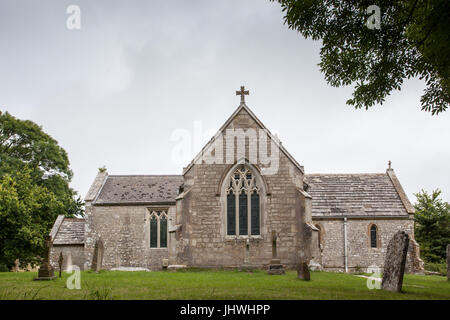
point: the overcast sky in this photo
(114, 92)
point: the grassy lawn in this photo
(194, 284)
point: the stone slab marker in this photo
(60, 263)
(394, 264)
(97, 258)
(303, 271)
(275, 266)
(46, 271)
(448, 262)
(246, 266)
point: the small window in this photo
(373, 236)
(158, 229)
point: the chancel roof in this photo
(354, 195)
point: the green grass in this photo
(195, 284)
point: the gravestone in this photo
(46, 271)
(69, 261)
(394, 264)
(97, 258)
(448, 262)
(303, 271)
(246, 266)
(60, 263)
(275, 266)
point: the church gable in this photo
(243, 128)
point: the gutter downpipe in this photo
(345, 245)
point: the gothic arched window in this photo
(158, 229)
(243, 203)
(373, 236)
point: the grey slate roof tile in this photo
(354, 194)
(70, 232)
(120, 189)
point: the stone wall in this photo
(125, 234)
(76, 253)
(202, 240)
(360, 254)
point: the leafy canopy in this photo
(432, 225)
(34, 189)
(413, 41)
(24, 144)
(27, 213)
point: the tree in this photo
(27, 213)
(412, 41)
(432, 225)
(24, 144)
(34, 189)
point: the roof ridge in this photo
(145, 175)
(353, 174)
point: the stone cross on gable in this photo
(242, 93)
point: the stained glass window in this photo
(154, 232)
(255, 213)
(243, 214)
(158, 229)
(243, 188)
(231, 214)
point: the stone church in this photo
(241, 187)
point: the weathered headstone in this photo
(275, 266)
(448, 262)
(97, 258)
(246, 266)
(394, 264)
(46, 271)
(303, 271)
(69, 261)
(60, 263)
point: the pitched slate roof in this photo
(139, 189)
(68, 231)
(354, 195)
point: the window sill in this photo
(232, 238)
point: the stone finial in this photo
(242, 93)
(389, 165)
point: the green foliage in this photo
(34, 189)
(213, 284)
(412, 41)
(24, 144)
(102, 293)
(432, 225)
(27, 213)
(436, 267)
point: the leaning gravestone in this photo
(448, 262)
(46, 271)
(394, 264)
(97, 259)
